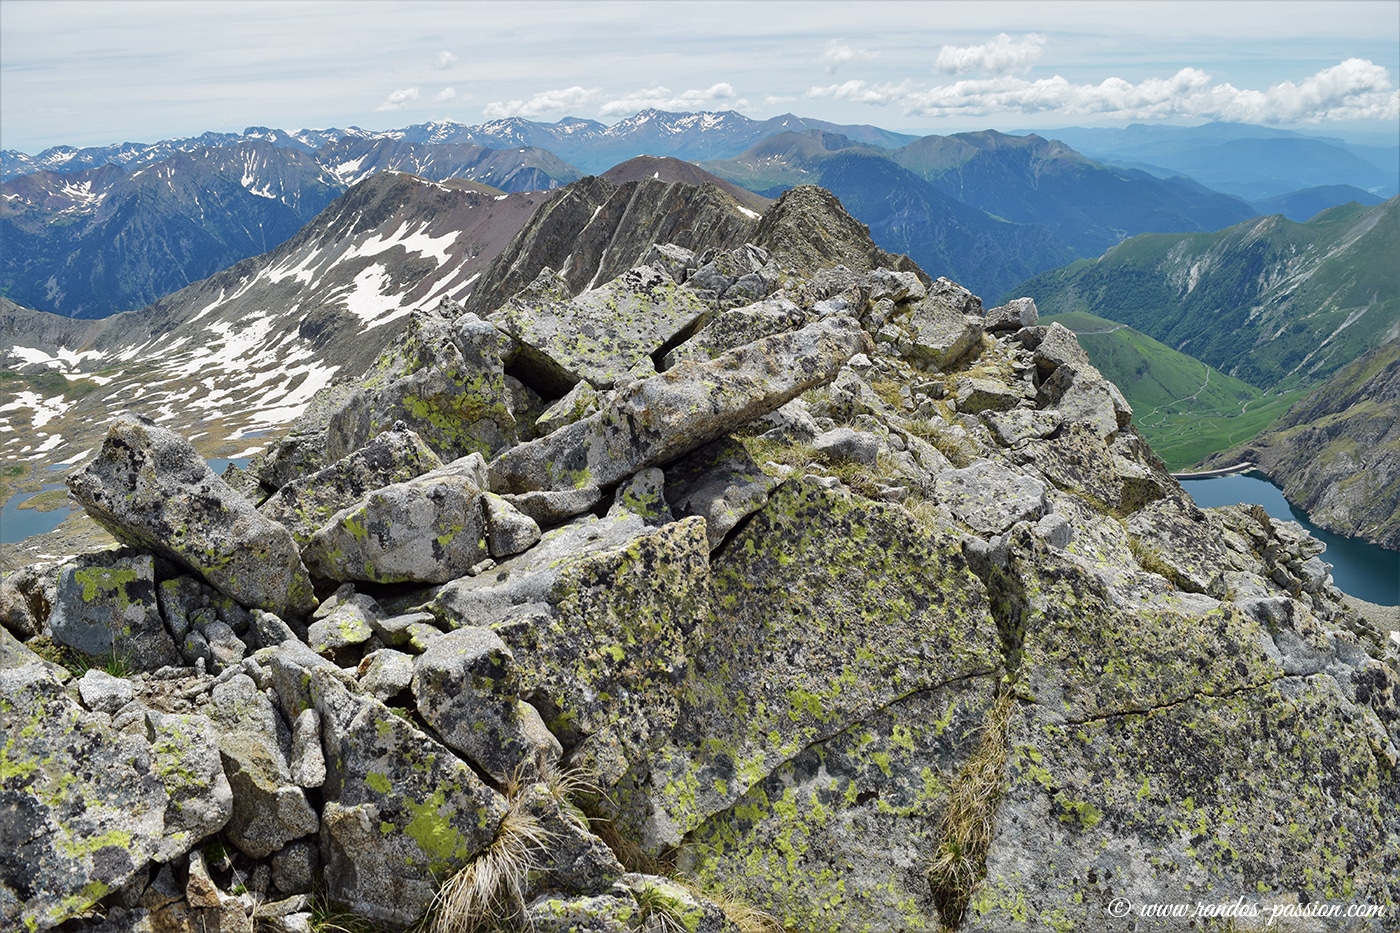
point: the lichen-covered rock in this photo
(106, 607)
(658, 419)
(443, 379)
(150, 489)
(467, 689)
(719, 482)
(579, 402)
(81, 811)
(989, 498)
(602, 334)
(426, 530)
(185, 757)
(577, 861)
(343, 621)
(386, 673)
(307, 503)
(270, 809)
(824, 615)
(508, 530)
(736, 327)
(401, 814)
(859, 810)
(1182, 541)
(1134, 726)
(939, 334)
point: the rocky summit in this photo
(765, 585)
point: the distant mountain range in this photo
(984, 209)
(93, 231)
(1251, 162)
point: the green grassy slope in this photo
(1277, 304)
(1186, 409)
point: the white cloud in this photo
(446, 94)
(1002, 55)
(399, 99)
(838, 53)
(1355, 89)
(861, 92)
(445, 60)
(773, 100)
(660, 98)
(543, 103)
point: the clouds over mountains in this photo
(1355, 89)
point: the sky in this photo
(92, 74)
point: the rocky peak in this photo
(848, 583)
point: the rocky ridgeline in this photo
(838, 594)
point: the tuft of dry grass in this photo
(960, 861)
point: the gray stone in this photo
(1082, 395)
(226, 650)
(848, 444)
(898, 287)
(25, 597)
(185, 756)
(508, 530)
(736, 327)
(1016, 427)
(269, 630)
(308, 763)
(83, 812)
(427, 530)
(602, 334)
(1055, 530)
(307, 503)
(940, 334)
(296, 866)
(589, 913)
(103, 693)
(551, 506)
(402, 812)
(976, 395)
(106, 607)
(467, 689)
(269, 808)
(791, 422)
(150, 489)
(720, 483)
(658, 419)
(989, 498)
(1014, 315)
(1058, 347)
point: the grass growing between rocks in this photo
(488, 893)
(960, 861)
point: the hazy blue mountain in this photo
(1306, 204)
(1252, 162)
(1090, 206)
